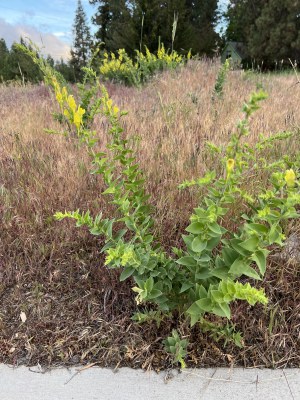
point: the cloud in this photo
(48, 42)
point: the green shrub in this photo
(204, 277)
(121, 68)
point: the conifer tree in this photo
(241, 16)
(102, 19)
(4, 54)
(203, 17)
(129, 23)
(116, 29)
(275, 35)
(270, 29)
(20, 66)
(82, 43)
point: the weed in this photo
(121, 68)
(120, 255)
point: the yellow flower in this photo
(230, 165)
(59, 98)
(78, 117)
(67, 114)
(55, 84)
(64, 93)
(290, 178)
(128, 257)
(111, 255)
(72, 103)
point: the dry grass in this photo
(76, 309)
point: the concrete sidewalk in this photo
(127, 384)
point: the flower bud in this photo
(290, 178)
(229, 165)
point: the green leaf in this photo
(194, 318)
(120, 234)
(250, 244)
(204, 258)
(252, 273)
(219, 262)
(204, 304)
(154, 293)
(194, 310)
(235, 244)
(196, 228)
(198, 245)
(216, 229)
(275, 234)
(110, 190)
(229, 256)
(203, 273)
(222, 310)
(213, 242)
(259, 228)
(185, 286)
(260, 257)
(187, 261)
(217, 296)
(149, 284)
(129, 223)
(96, 230)
(201, 291)
(108, 228)
(126, 273)
(188, 239)
(239, 267)
(220, 272)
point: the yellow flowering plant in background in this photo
(120, 67)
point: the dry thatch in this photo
(77, 311)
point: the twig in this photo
(80, 370)
(295, 70)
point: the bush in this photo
(209, 273)
(121, 68)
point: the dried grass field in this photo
(76, 309)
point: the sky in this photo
(48, 23)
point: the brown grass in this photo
(77, 311)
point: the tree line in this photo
(15, 65)
(269, 30)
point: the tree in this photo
(4, 54)
(270, 29)
(66, 70)
(132, 24)
(195, 26)
(102, 19)
(204, 17)
(241, 16)
(50, 60)
(20, 66)
(275, 35)
(154, 22)
(80, 53)
(115, 23)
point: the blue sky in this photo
(47, 22)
